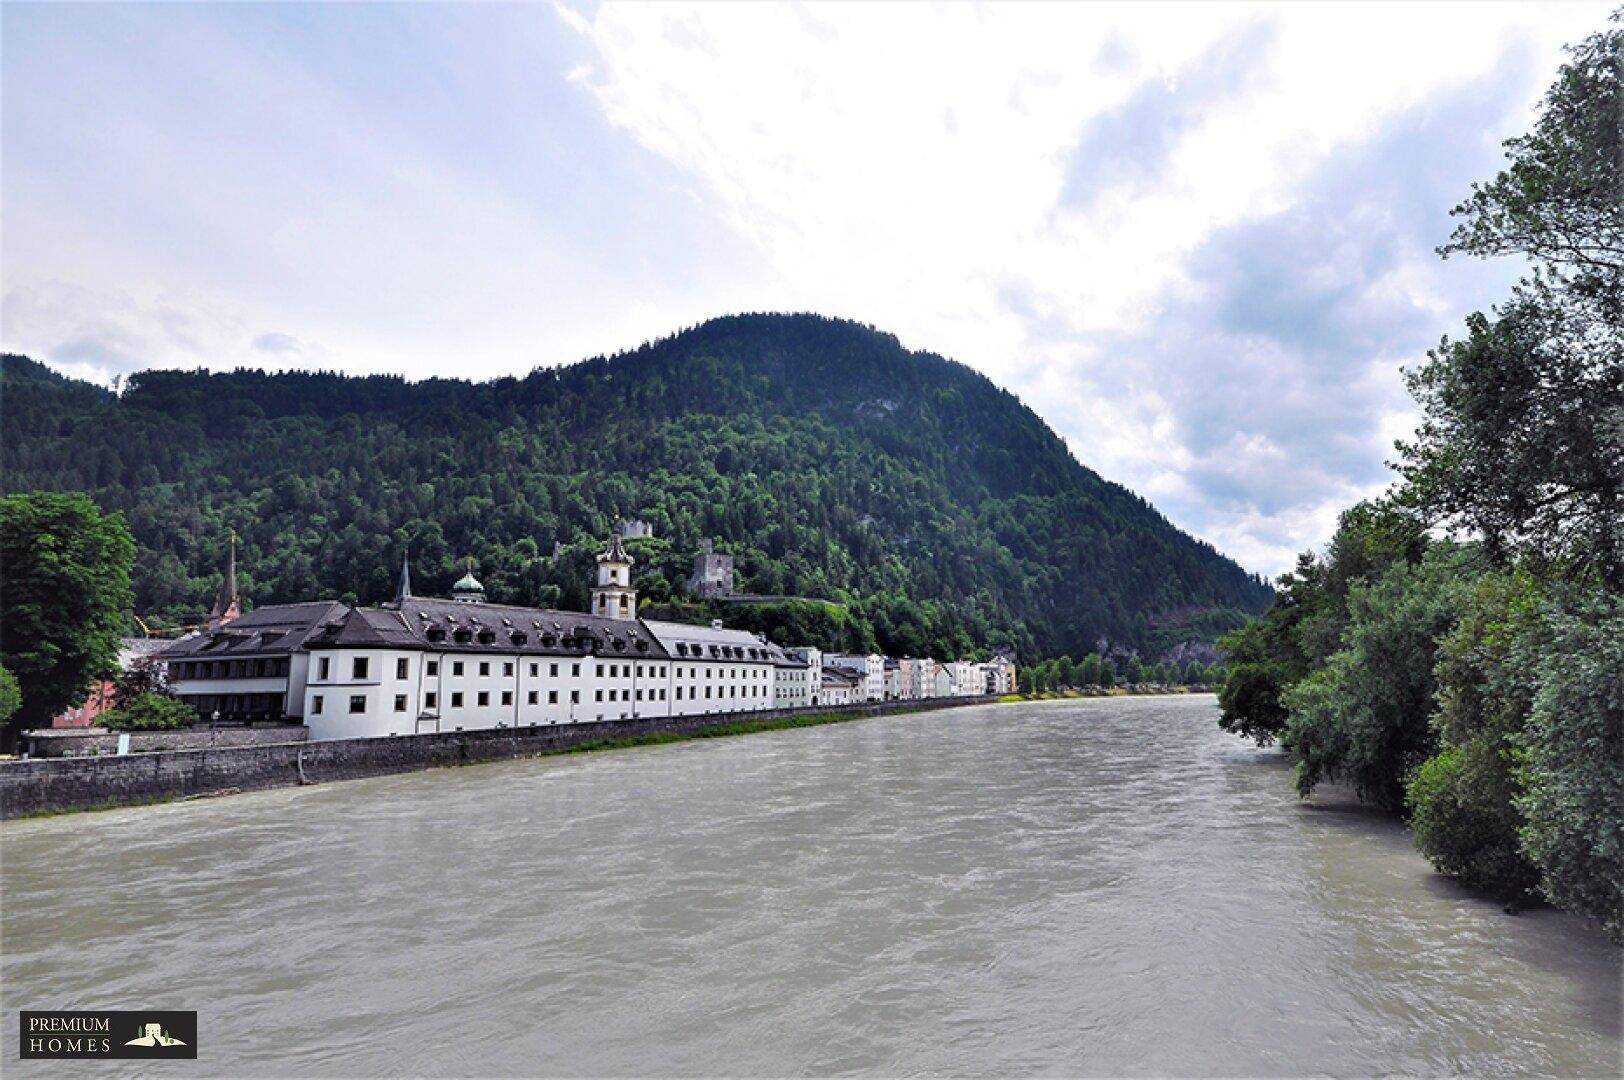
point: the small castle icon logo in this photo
(154, 1035)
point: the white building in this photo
(1001, 674)
(252, 668)
(922, 678)
(842, 686)
(870, 669)
(811, 659)
(964, 679)
(799, 679)
(714, 669)
(423, 665)
(432, 665)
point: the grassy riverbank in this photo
(104, 782)
(1100, 692)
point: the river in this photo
(1079, 887)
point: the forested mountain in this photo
(830, 460)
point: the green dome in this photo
(469, 583)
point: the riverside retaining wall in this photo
(90, 742)
(50, 785)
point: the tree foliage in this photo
(66, 600)
(1362, 716)
(10, 696)
(149, 712)
(831, 462)
(1572, 767)
(1461, 810)
(1522, 438)
(1501, 657)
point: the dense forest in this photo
(938, 511)
(1456, 655)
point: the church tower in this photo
(613, 597)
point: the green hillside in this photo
(830, 460)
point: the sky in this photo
(1197, 240)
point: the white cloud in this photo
(907, 165)
(1196, 239)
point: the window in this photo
(456, 699)
(484, 697)
(358, 703)
(358, 670)
(552, 697)
(640, 695)
(323, 667)
(552, 670)
(430, 700)
(599, 696)
(612, 696)
(484, 667)
(575, 697)
(679, 693)
(535, 669)
(533, 696)
(400, 667)
(433, 670)
(456, 668)
(575, 671)
(400, 702)
(507, 670)
(507, 697)
(315, 705)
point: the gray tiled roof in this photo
(716, 643)
(452, 626)
(273, 630)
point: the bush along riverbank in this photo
(1456, 655)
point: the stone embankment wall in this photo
(50, 785)
(89, 742)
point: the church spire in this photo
(226, 605)
(403, 591)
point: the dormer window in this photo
(486, 637)
(462, 635)
(548, 640)
(518, 637)
(435, 633)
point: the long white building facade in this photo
(418, 665)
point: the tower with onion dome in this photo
(613, 596)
